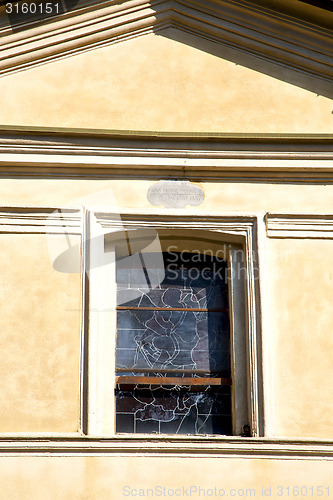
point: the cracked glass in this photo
(173, 346)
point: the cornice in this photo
(274, 36)
(39, 220)
(278, 449)
(33, 132)
(299, 226)
(115, 154)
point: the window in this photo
(172, 326)
(173, 370)
(211, 364)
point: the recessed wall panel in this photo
(39, 338)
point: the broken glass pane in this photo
(179, 329)
(175, 410)
(173, 339)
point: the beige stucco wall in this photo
(40, 338)
(220, 196)
(300, 287)
(167, 82)
(111, 478)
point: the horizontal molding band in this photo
(243, 157)
(262, 176)
(194, 446)
(228, 153)
(164, 166)
(40, 220)
(165, 161)
(52, 139)
(299, 226)
(33, 131)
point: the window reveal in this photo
(173, 348)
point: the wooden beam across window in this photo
(126, 380)
(192, 309)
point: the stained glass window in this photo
(173, 347)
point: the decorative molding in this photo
(231, 228)
(274, 36)
(159, 220)
(40, 220)
(281, 158)
(148, 446)
(299, 226)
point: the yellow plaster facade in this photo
(40, 325)
(300, 317)
(165, 81)
(106, 477)
(158, 82)
(228, 196)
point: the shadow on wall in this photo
(178, 28)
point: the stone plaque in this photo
(175, 194)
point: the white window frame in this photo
(244, 312)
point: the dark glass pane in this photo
(173, 339)
(164, 342)
(125, 422)
(174, 411)
(185, 282)
(208, 297)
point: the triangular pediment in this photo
(278, 37)
(205, 66)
